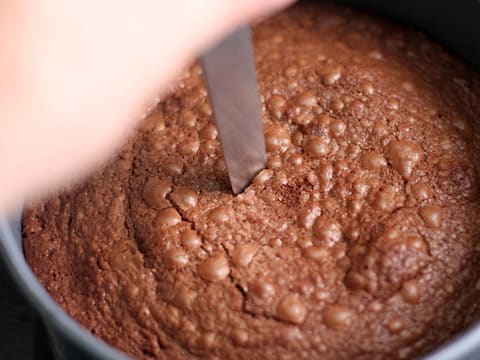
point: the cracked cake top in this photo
(359, 239)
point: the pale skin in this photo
(76, 75)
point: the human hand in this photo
(75, 74)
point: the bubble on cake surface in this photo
(239, 336)
(263, 289)
(187, 119)
(337, 128)
(420, 191)
(368, 88)
(209, 132)
(431, 215)
(276, 105)
(317, 253)
(277, 139)
(191, 240)
(184, 198)
(205, 109)
(337, 316)
(262, 177)
(215, 268)
(243, 254)
(331, 74)
(291, 309)
(327, 231)
(220, 215)
(175, 258)
(396, 325)
(168, 217)
(316, 147)
(372, 160)
(411, 291)
(307, 98)
(188, 147)
(155, 191)
(173, 167)
(404, 156)
(207, 340)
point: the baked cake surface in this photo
(359, 240)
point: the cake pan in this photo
(454, 23)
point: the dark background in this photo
(17, 322)
(22, 335)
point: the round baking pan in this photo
(453, 23)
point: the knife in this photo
(229, 71)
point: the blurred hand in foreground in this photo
(74, 75)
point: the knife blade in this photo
(229, 71)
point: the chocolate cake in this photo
(360, 240)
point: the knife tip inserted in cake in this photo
(229, 71)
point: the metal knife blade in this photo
(229, 70)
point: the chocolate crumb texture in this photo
(360, 240)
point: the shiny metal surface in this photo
(229, 71)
